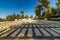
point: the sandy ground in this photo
(11, 24)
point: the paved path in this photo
(32, 31)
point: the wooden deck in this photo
(32, 31)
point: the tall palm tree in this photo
(22, 12)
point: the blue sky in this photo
(15, 6)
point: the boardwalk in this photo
(32, 31)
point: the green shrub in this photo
(53, 19)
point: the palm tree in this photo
(22, 12)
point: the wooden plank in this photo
(26, 25)
(30, 25)
(22, 33)
(44, 32)
(4, 31)
(30, 34)
(38, 25)
(14, 34)
(41, 25)
(52, 32)
(58, 29)
(55, 30)
(34, 25)
(4, 35)
(37, 32)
